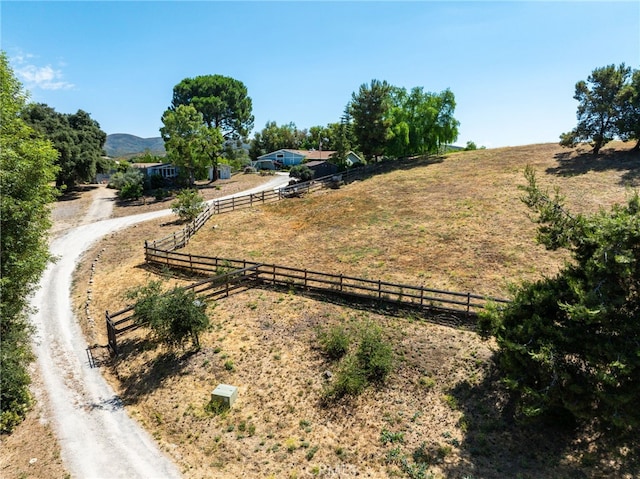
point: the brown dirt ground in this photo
(456, 224)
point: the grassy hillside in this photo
(454, 222)
(123, 145)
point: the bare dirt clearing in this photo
(456, 224)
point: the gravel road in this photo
(97, 437)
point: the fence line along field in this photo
(455, 224)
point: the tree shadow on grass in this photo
(153, 374)
(572, 163)
(496, 445)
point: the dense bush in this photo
(570, 343)
(188, 204)
(371, 360)
(334, 342)
(128, 183)
(302, 172)
(374, 355)
(131, 191)
(174, 316)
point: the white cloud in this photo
(45, 78)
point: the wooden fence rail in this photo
(181, 238)
(229, 275)
(215, 287)
(405, 294)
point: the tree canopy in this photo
(174, 316)
(571, 342)
(26, 172)
(392, 121)
(222, 101)
(369, 110)
(421, 122)
(273, 137)
(77, 138)
(189, 142)
(609, 107)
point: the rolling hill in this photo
(123, 145)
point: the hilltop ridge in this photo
(122, 145)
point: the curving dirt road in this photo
(97, 437)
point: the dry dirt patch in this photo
(456, 224)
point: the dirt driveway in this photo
(96, 436)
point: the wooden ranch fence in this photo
(180, 239)
(408, 295)
(230, 275)
(214, 288)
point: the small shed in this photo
(224, 172)
(322, 168)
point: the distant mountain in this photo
(121, 145)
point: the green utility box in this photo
(225, 395)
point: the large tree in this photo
(369, 110)
(26, 172)
(222, 101)
(629, 122)
(77, 138)
(421, 122)
(601, 104)
(273, 137)
(189, 142)
(571, 342)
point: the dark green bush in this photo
(374, 355)
(174, 316)
(334, 342)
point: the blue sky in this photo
(512, 66)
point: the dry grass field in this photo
(455, 223)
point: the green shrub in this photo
(350, 380)
(374, 355)
(188, 205)
(174, 316)
(131, 191)
(302, 172)
(570, 343)
(334, 342)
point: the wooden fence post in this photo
(111, 333)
